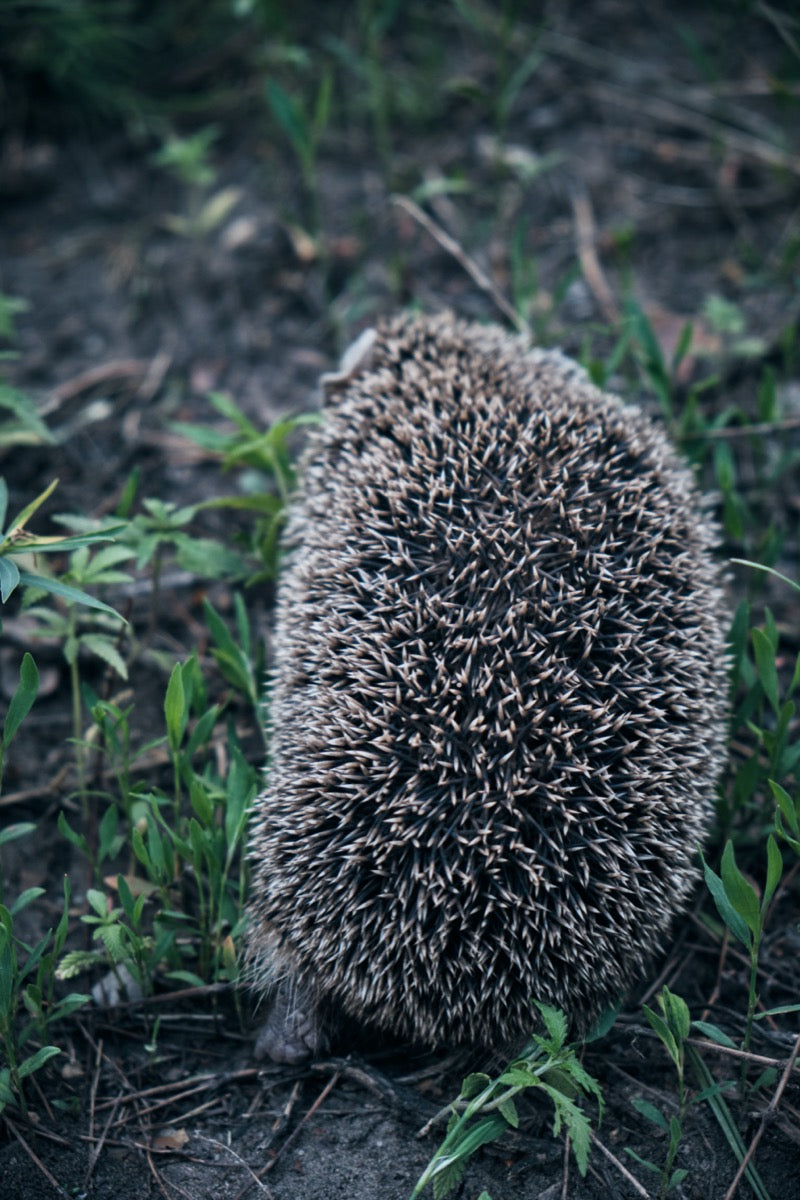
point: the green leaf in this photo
(650, 1111)
(737, 926)
(474, 1084)
(73, 595)
(774, 872)
(716, 1103)
(508, 1109)
(23, 698)
(9, 578)
(602, 1025)
(741, 894)
(175, 709)
(23, 517)
(75, 839)
(662, 1029)
(25, 898)
(18, 830)
(287, 113)
(714, 1033)
(744, 562)
(643, 1162)
(556, 1023)
(37, 1060)
(765, 665)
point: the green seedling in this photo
(744, 913)
(17, 542)
(20, 705)
(22, 426)
(27, 981)
(97, 634)
(761, 711)
(672, 1025)
(486, 1107)
(242, 663)
(129, 952)
(187, 158)
(787, 815)
(184, 915)
(260, 456)
(303, 125)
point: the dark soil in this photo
(664, 184)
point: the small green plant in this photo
(187, 158)
(186, 912)
(22, 426)
(744, 913)
(27, 983)
(97, 633)
(20, 705)
(672, 1025)
(486, 1107)
(17, 542)
(763, 714)
(303, 125)
(260, 455)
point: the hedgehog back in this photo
(498, 694)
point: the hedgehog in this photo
(497, 702)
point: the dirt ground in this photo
(621, 167)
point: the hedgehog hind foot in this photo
(293, 1030)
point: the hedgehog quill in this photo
(498, 698)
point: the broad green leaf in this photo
(37, 1060)
(508, 1109)
(106, 649)
(765, 665)
(714, 1033)
(650, 1111)
(9, 577)
(73, 595)
(741, 894)
(25, 898)
(18, 830)
(555, 1021)
(474, 1084)
(23, 698)
(676, 1012)
(660, 1026)
(730, 916)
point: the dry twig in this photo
(476, 273)
(623, 1170)
(585, 236)
(766, 1116)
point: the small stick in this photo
(293, 1136)
(766, 1116)
(623, 1170)
(254, 1179)
(673, 113)
(476, 273)
(32, 1154)
(565, 1171)
(95, 1150)
(585, 231)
